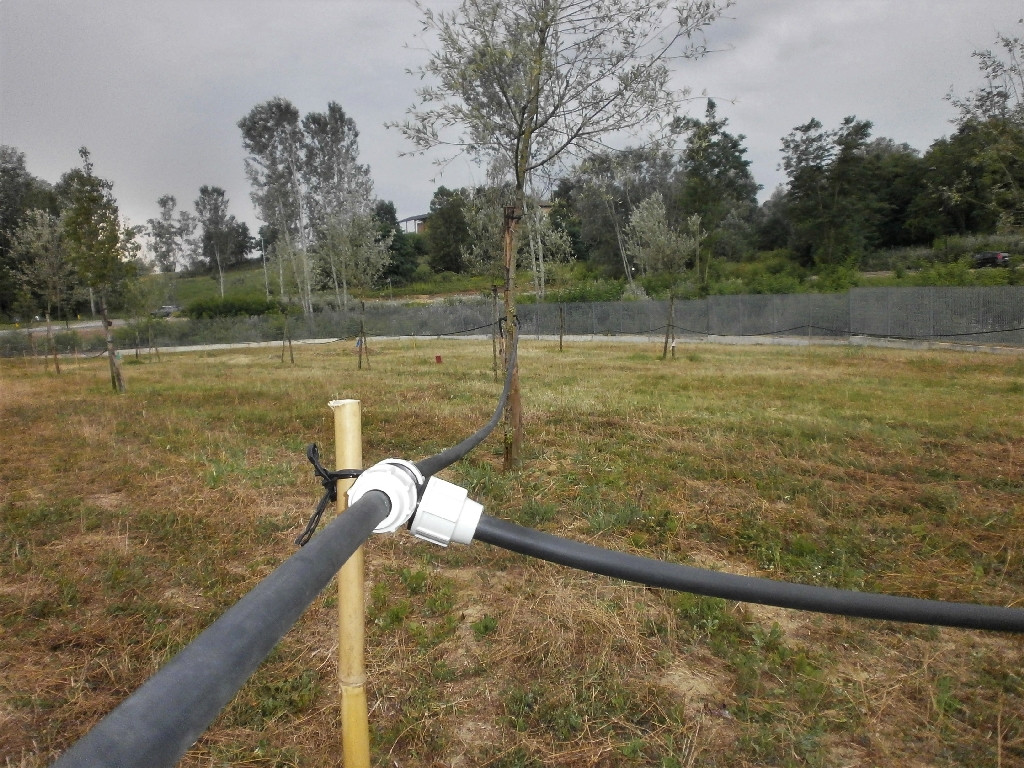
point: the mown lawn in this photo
(128, 523)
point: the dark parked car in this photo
(165, 311)
(991, 259)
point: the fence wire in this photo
(990, 315)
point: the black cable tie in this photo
(329, 480)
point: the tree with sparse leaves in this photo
(170, 235)
(46, 270)
(522, 83)
(100, 247)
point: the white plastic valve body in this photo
(397, 478)
(446, 514)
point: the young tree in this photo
(608, 185)
(548, 244)
(99, 247)
(482, 208)
(46, 270)
(521, 83)
(651, 242)
(170, 235)
(353, 251)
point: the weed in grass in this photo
(440, 601)
(484, 626)
(262, 700)
(414, 581)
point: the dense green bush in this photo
(231, 306)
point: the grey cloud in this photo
(155, 89)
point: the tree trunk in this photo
(514, 407)
(216, 253)
(50, 342)
(540, 254)
(266, 278)
(344, 286)
(280, 276)
(622, 245)
(534, 264)
(116, 379)
(337, 288)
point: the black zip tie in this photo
(329, 479)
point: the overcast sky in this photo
(154, 88)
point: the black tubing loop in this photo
(434, 464)
(162, 719)
(655, 573)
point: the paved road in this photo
(786, 341)
(78, 325)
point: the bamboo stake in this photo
(355, 728)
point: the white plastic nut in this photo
(446, 514)
(400, 480)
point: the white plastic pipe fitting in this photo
(446, 514)
(397, 478)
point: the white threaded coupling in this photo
(397, 478)
(446, 514)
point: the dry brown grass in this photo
(129, 523)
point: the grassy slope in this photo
(245, 281)
(133, 521)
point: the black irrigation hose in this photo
(655, 573)
(434, 464)
(161, 720)
(466, 330)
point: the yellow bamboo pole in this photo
(355, 728)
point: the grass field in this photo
(128, 523)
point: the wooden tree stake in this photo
(355, 728)
(668, 327)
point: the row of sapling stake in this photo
(308, 185)
(101, 249)
(523, 84)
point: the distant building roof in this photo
(420, 217)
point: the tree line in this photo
(669, 213)
(677, 208)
